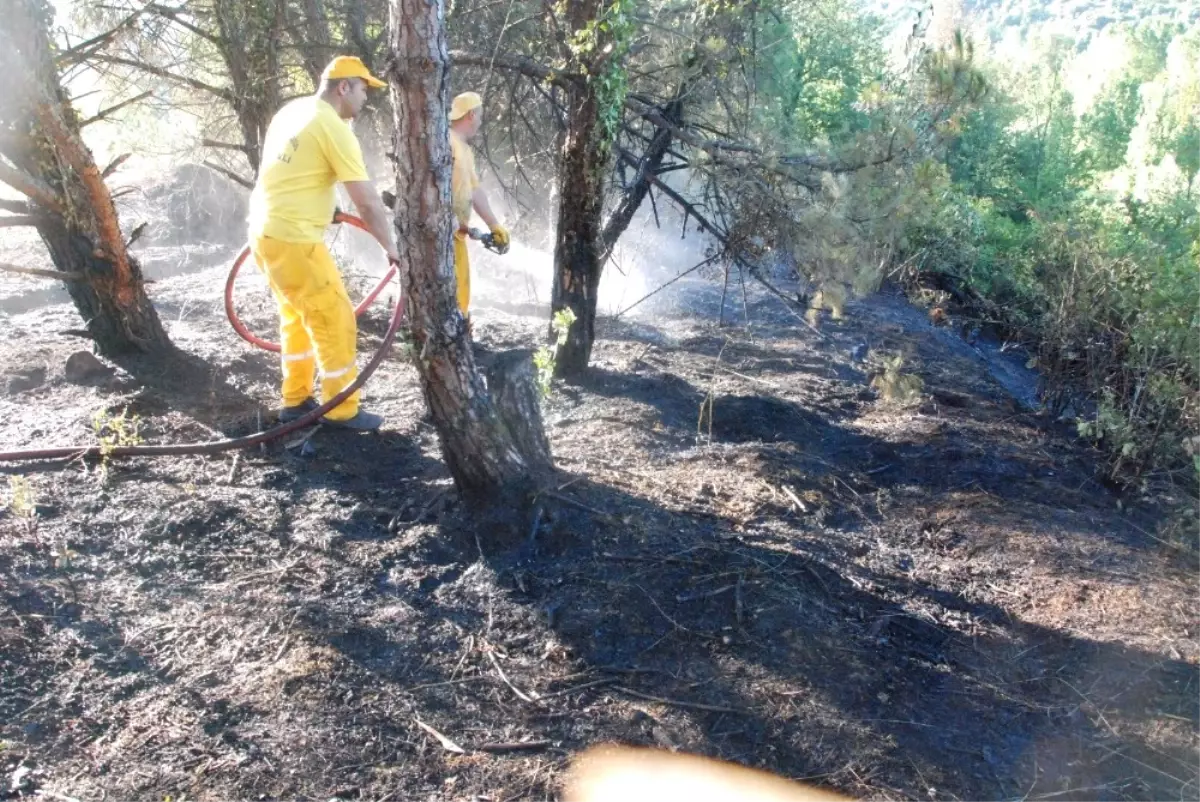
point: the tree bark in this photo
(77, 219)
(578, 248)
(250, 35)
(490, 457)
(315, 46)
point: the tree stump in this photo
(512, 384)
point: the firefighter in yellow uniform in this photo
(466, 117)
(309, 147)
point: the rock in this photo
(83, 366)
(20, 782)
(859, 354)
(18, 381)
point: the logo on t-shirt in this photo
(293, 145)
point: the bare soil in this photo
(748, 554)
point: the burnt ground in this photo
(929, 602)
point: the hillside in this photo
(995, 21)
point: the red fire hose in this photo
(249, 441)
(254, 339)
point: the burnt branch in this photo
(230, 174)
(35, 189)
(36, 271)
(114, 165)
(17, 220)
(181, 80)
(212, 143)
(114, 109)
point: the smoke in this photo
(653, 250)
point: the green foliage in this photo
(616, 28)
(22, 501)
(1079, 230)
(113, 431)
(1106, 128)
(116, 430)
(895, 386)
(822, 57)
(544, 357)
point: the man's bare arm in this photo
(483, 207)
(370, 208)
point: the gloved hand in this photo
(500, 237)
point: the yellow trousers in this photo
(462, 272)
(316, 321)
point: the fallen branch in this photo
(800, 505)
(446, 743)
(34, 271)
(654, 292)
(574, 503)
(55, 795)
(705, 594)
(678, 703)
(577, 688)
(524, 697)
(519, 746)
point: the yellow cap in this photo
(350, 67)
(463, 104)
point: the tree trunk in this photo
(492, 451)
(315, 46)
(250, 36)
(76, 216)
(583, 162)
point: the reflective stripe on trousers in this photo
(316, 319)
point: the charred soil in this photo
(747, 554)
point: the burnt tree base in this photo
(512, 384)
(119, 316)
(500, 520)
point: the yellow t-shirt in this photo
(463, 179)
(308, 148)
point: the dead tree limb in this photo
(36, 190)
(88, 47)
(212, 143)
(216, 91)
(174, 14)
(230, 174)
(734, 253)
(17, 220)
(515, 63)
(114, 165)
(114, 109)
(35, 271)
